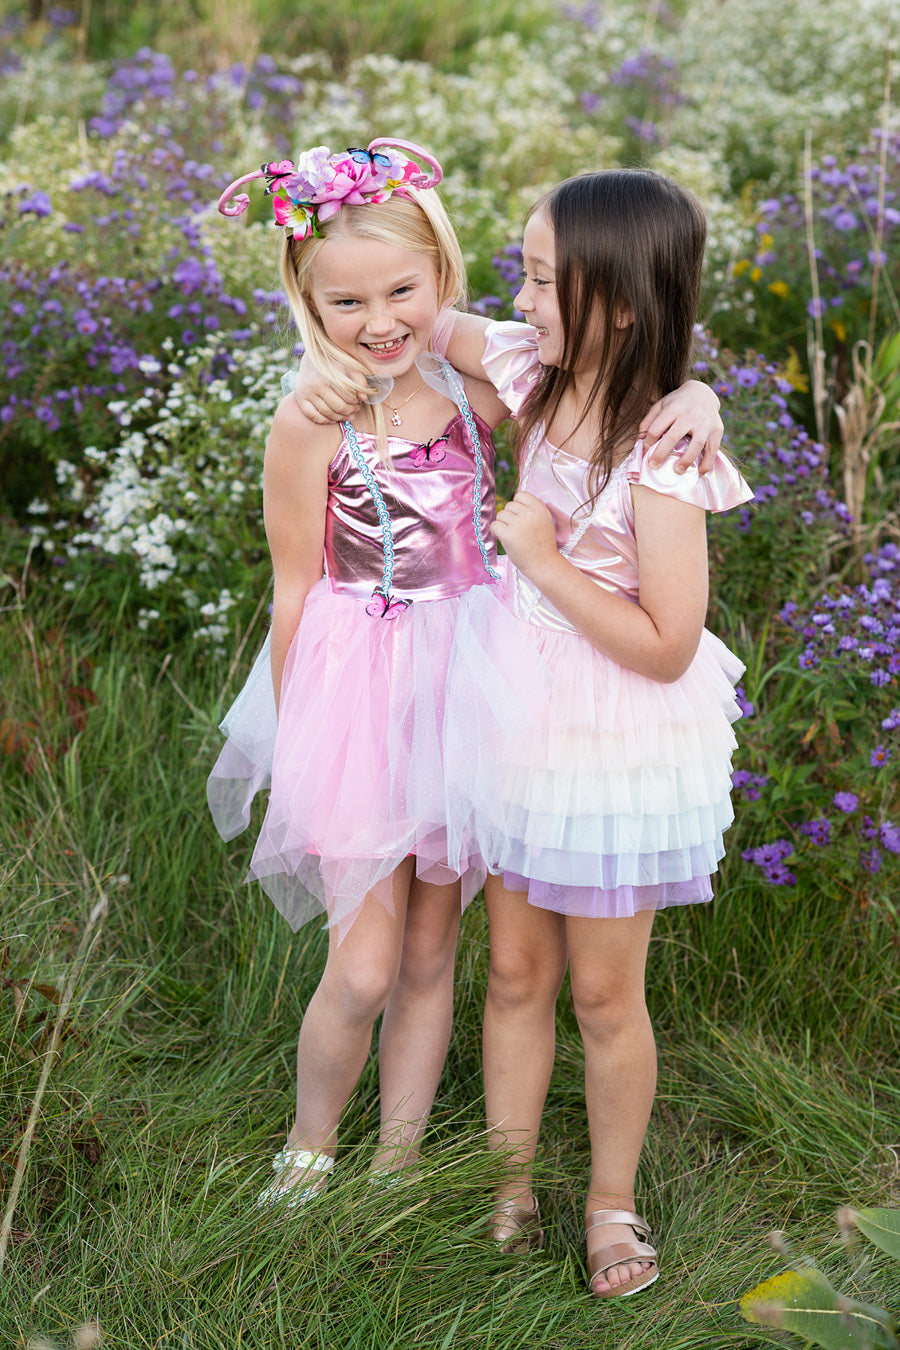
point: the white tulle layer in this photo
(615, 796)
(355, 759)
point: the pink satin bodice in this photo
(606, 549)
(432, 514)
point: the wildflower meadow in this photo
(150, 1000)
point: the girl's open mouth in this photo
(385, 351)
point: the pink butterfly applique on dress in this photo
(431, 452)
(383, 605)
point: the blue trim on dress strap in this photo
(459, 398)
(387, 535)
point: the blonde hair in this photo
(417, 222)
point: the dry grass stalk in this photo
(91, 927)
(860, 419)
(815, 338)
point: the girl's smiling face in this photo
(375, 302)
(537, 298)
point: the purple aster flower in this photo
(892, 721)
(870, 860)
(38, 204)
(84, 321)
(778, 875)
(846, 801)
(766, 855)
(880, 755)
(818, 831)
(868, 829)
(746, 707)
(889, 837)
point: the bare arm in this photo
(690, 411)
(295, 494)
(657, 637)
(465, 343)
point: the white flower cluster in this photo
(215, 631)
(181, 497)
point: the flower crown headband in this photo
(306, 194)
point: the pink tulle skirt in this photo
(614, 796)
(355, 759)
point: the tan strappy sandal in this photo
(521, 1227)
(621, 1253)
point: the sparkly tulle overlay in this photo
(356, 757)
(615, 797)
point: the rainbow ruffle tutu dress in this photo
(356, 758)
(615, 797)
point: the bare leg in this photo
(415, 1029)
(336, 1034)
(528, 963)
(608, 959)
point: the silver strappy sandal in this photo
(300, 1174)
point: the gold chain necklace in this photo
(395, 412)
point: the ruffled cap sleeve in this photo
(719, 490)
(511, 361)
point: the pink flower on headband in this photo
(294, 216)
(314, 190)
(353, 178)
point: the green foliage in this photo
(205, 33)
(175, 1069)
(804, 1301)
(881, 1226)
(130, 606)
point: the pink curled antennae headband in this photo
(306, 194)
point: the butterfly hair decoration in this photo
(383, 605)
(430, 452)
(373, 157)
(307, 194)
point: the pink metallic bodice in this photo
(432, 517)
(606, 550)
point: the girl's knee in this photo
(606, 1009)
(520, 975)
(362, 990)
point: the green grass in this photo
(778, 1096)
(207, 33)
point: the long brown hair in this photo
(628, 241)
